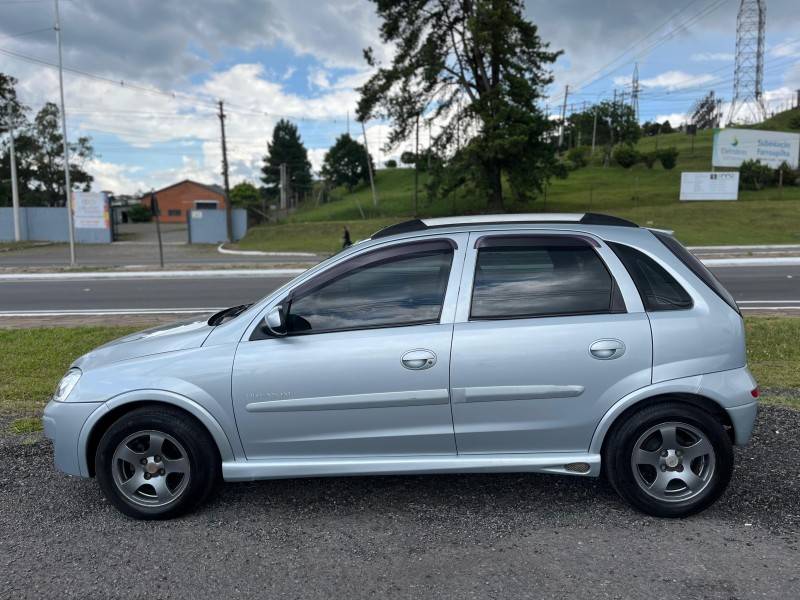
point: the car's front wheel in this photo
(669, 460)
(156, 462)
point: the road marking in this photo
(207, 274)
(768, 301)
(108, 312)
(769, 307)
(786, 261)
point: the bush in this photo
(139, 213)
(579, 156)
(790, 176)
(391, 164)
(649, 159)
(668, 157)
(794, 122)
(755, 176)
(626, 156)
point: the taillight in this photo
(754, 392)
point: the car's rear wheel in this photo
(156, 463)
(669, 460)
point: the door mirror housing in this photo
(274, 322)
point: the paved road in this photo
(762, 288)
(458, 536)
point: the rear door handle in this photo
(607, 349)
(417, 360)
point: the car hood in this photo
(166, 338)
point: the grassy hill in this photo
(647, 196)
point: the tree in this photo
(12, 116)
(47, 158)
(666, 127)
(391, 164)
(616, 124)
(245, 195)
(287, 147)
(346, 162)
(478, 69)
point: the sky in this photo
(150, 72)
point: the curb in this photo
(223, 250)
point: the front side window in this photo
(393, 288)
(515, 279)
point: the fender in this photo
(214, 428)
(686, 385)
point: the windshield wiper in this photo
(233, 311)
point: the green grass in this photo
(647, 196)
(773, 351)
(33, 360)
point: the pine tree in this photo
(287, 147)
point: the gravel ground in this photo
(476, 536)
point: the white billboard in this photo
(90, 210)
(710, 186)
(734, 146)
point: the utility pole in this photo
(67, 182)
(283, 185)
(157, 216)
(416, 170)
(563, 117)
(14, 186)
(228, 208)
(635, 92)
(369, 166)
(798, 98)
(594, 130)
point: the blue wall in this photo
(46, 224)
(210, 226)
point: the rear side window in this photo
(658, 289)
(521, 277)
(696, 267)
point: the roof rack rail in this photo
(425, 224)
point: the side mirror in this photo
(274, 322)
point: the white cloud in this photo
(674, 119)
(318, 78)
(712, 56)
(675, 80)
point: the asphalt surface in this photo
(470, 536)
(760, 288)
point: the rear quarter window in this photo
(696, 267)
(657, 288)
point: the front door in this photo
(364, 369)
(544, 343)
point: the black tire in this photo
(630, 483)
(204, 464)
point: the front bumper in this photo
(62, 422)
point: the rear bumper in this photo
(62, 422)
(743, 419)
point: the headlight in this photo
(66, 384)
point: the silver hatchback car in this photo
(553, 343)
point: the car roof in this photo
(459, 222)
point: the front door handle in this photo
(417, 360)
(607, 349)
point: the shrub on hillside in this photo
(668, 157)
(391, 164)
(755, 176)
(787, 175)
(578, 156)
(626, 156)
(649, 159)
(794, 122)
(138, 213)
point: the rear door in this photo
(364, 370)
(549, 333)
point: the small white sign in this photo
(710, 186)
(197, 214)
(734, 146)
(90, 210)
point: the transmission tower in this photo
(748, 77)
(635, 91)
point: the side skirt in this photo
(583, 464)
